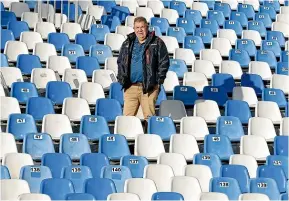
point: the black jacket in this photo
(155, 62)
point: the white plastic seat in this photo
(202, 172)
(132, 5)
(171, 81)
(31, 19)
(96, 11)
(111, 64)
(129, 126)
(284, 10)
(213, 196)
(15, 161)
(71, 29)
(171, 43)
(246, 160)
(188, 187)
(46, 10)
(255, 146)
(114, 41)
(205, 67)
(58, 64)
(45, 28)
(124, 30)
(268, 110)
(149, 146)
(85, 4)
(253, 196)
(41, 76)
(184, 144)
(233, 3)
(211, 55)
(156, 6)
(123, 196)
(75, 108)
(11, 74)
(2, 91)
(229, 34)
(161, 174)
(56, 125)
(90, 92)
(7, 3)
(176, 161)
(144, 12)
(196, 80)
(18, 8)
(8, 144)
(185, 54)
(170, 14)
(280, 82)
(12, 188)
(252, 35)
(262, 127)
(104, 77)
(9, 105)
(231, 67)
(74, 77)
(254, 3)
(282, 27)
(15, 48)
(282, 18)
(246, 94)
(142, 3)
(195, 126)
(44, 51)
(202, 7)
(144, 188)
(260, 68)
(284, 127)
(57, 19)
(33, 196)
(129, 20)
(223, 45)
(207, 109)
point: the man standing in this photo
(142, 66)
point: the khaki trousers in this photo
(134, 97)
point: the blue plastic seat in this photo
(179, 6)
(217, 94)
(216, 15)
(121, 12)
(6, 35)
(167, 196)
(241, 17)
(187, 24)
(56, 188)
(194, 15)
(265, 18)
(72, 51)
(240, 56)
(281, 145)
(271, 45)
(211, 160)
(99, 31)
(38, 107)
(22, 91)
(58, 40)
(275, 95)
(178, 66)
(247, 9)
(162, 126)
(231, 127)
(95, 161)
(219, 145)
(235, 25)
(282, 68)
(2, 6)
(20, 125)
(254, 81)
(205, 34)
(248, 45)
(238, 172)
(37, 144)
(177, 32)
(284, 56)
(276, 35)
(70, 9)
(226, 185)
(85, 40)
(284, 196)
(57, 91)
(101, 52)
(224, 7)
(111, 21)
(93, 127)
(74, 144)
(210, 24)
(34, 175)
(4, 171)
(194, 43)
(136, 164)
(224, 80)
(116, 92)
(88, 64)
(188, 95)
(4, 61)
(162, 23)
(275, 4)
(100, 188)
(77, 174)
(265, 186)
(108, 108)
(56, 161)
(162, 96)
(240, 109)
(118, 174)
(278, 161)
(156, 29)
(267, 56)
(6, 17)
(108, 5)
(58, 3)
(269, 10)
(80, 196)
(114, 146)
(166, 3)
(257, 26)
(27, 63)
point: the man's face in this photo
(141, 30)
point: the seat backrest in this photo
(57, 91)
(255, 146)
(274, 115)
(136, 186)
(58, 40)
(85, 40)
(207, 109)
(88, 64)
(90, 91)
(108, 108)
(163, 126)
(172, 108)
(38, 107)
(40, 77)
(187, 94)
(226, 185)
(210, 159)
(280, 145)
(230, 126)
(253, 196)
(95, 161)
(23, 91)
(100, 188)
(72, 51)
(4, 172)
(214, 93)
(27, 63)
(73, 113)
(101, 52)
(136, 164)
(12, 188)
(80, 196)
(265, 186)
(239, 109)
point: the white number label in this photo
(116, 169)
(216, 139)
(75, 169)
(37, 137)
(110, 139)
(206, 157)
(133, 161)
(224, 184)
(262, 185)
(73, 139)
(35, 169)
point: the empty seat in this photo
(171, 81)
(111, 21)
(124, 30)
(4, 60)
(195, 126)
(90, 92)
(203, 66)
(101, 52)
(207, 109)
(10, 75)
(177, 32)
(144, 188)
(234, 25)
(136, 164)
(88, 64)
(260, 68)
(45, 28)
(226, 185)
(79, 196)
(280, 145)
(72, 51)
(217, 94)
(225, 7)
(271, 45)
(157, 124)
(200, 6)
(170, 14)
(104, 77)
(38, 107)
(4, 172)
(85, 40)
(278, 161)
(188, 95)
(246, 94)
(253, 196)
(9, 105)
(145, 12)
(214, 196)
(110, 40)
(108, 108)
(262, 109)
(284, 126)
(58, 64)
(58, 40)
(27, 63)
(212, 55)
(228, 34)
(240, 17)
(15, 48)
(202, 173)
(282, 27)
(224, 80)
(282, 68)
(239, 109)
(176, 161)
(209, 159)
(8, 144)
(196, 80)
(205, 34)
(172, 108)
(31, 18)
(245, 160)
(257, 26)
(255, 146)
(171, 43)
(75, 108)
(241, 56)
(30, 39)
(12, 188)
(267, 56)
(262, 127)
(248, 45)
(230, 126)
(265, 186)
(253, 35)
(100, 188)
(276, 35)
(210, 24)
(99, 31)
(95, 161)
(57, 91)
(6, 35)
(167, 196)
(187, 25)
(44, 51)
(280, 82)
(71, 29)
(223, 45)
(111, 64)
(75, 77)
(23, 91)
(194, 43)
(182, 185)
(247, 9)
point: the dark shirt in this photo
(136, 66)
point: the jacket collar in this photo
(132, 36)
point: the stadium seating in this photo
(136, 164)
(104, 187)
(211, 160)
(226, 185)
(95, 161)
(265, 186)
(182, 185)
